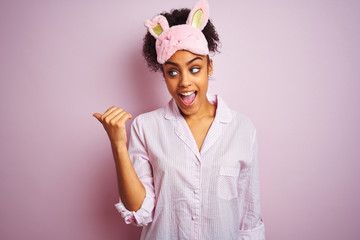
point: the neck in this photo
(207, 110)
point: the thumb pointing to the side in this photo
(97, 116)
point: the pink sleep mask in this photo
(187, 36)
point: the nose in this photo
(185, 80)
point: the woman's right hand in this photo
(131, 190)
(114, 120)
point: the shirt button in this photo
(197, 163)
(193, 218)
(196, 191)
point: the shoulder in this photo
(237, 118)
(242, 125)
(149, 117)
(243, 119)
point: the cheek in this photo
(171, 86)
(203, 82)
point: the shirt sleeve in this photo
(140, 160)
(252, 225)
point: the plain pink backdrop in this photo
(291, 66)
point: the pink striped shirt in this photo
(190, 194)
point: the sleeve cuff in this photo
(257, 233)
(141, 217)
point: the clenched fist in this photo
(113, 121)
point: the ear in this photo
(211, 67)
(157, 25)
(199, 15)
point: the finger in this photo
(97, 116)
(108, 112)
(124, 118)
(109, 118)
(116, 118)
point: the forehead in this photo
(184, 56)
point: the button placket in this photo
(197, 185)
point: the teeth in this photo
(187, 94)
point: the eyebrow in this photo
(175, 64)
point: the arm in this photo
(131, 190)
(252, 224)
(133, 169)
(140, 215)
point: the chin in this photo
(189, 112)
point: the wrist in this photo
(118, 146)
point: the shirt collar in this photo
(223, 113)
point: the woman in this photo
(191, 168)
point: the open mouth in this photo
(188, 98)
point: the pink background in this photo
(291, 66)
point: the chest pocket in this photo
(227, 182)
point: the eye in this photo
(195, 70)
(172, 73)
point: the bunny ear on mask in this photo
(188, 36)
(157, 25)
(199, 15)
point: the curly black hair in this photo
(177, 17)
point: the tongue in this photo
(188, 99)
